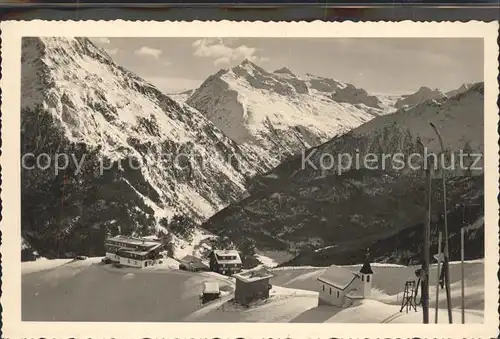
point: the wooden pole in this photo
(425, 266)
(440, 239)
(462, 233)
(446, 266)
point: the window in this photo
(330, 291)
(338, 294)
(323, 288)
(362, 278)
(367, 278)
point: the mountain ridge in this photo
(296, 208)
(275, 112)
(164, 158)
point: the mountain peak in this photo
(246, 62)
(425, 89)
(284, 70)
(248, 66)
(424, 93)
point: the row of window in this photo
(128, 245)
(230, 265)
(338, 293)
(135, 262)
(132, 255)
(226, 257)
(367, 278)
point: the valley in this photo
(239, 141)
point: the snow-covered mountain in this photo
(182, 96)
(279, 112)
(303, 205)
(423, 94)
(459, 90)
(460, 120)
(356, 96)
(159, 157)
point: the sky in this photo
(378, 65)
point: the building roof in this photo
(211, 287)
(366, 269)
(253, 275)
(220, 254)
(339, 277)
(354, 294)
(190, 259)
(133, 241)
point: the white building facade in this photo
(133, 252)
(337, 284)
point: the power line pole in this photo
(462, 255)
(440, 240)
(446, 266)
(427, 228)
(426, 249)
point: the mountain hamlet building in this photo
(252, 285)
(225, 261)
(134, 252)
(338, 285)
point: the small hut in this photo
(252, 285)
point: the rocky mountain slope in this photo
(302, 205)
(133, 154)
(356, 96)
(404, 247)
(279, 113)
(423, 94)
(461, 89)
(182, 96)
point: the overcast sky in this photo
(390, 65)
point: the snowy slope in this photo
(276, 113)
(181, 97)
(294, 298)
(167, 158)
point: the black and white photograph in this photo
(205, 179)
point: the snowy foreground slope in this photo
(51, 288)
(143, 156)
(280, 113)
(294, 298)
(306, 203)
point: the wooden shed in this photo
(252, 285)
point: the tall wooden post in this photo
(440, 240)
(446, 265)
(426, 247)
(462, 254)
